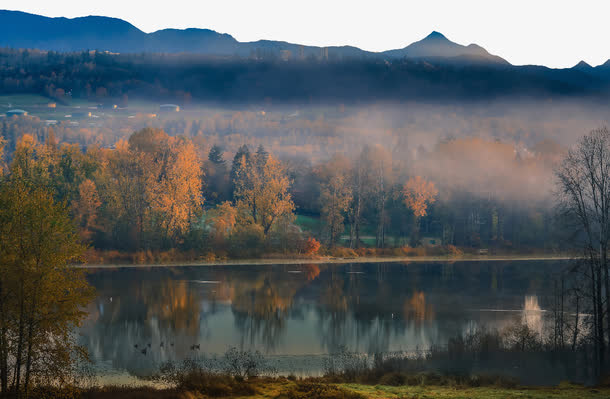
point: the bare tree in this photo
(584, 199)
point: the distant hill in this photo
(212, 66)
(436, 45)
(23, 30)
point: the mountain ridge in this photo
(24, 30)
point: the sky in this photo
(555, 33)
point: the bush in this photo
(312, 246)
(202, 377)
(393, 379)
(312, 390)
(245, 364)
(342, 252)
(247, 240)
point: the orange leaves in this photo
(312, 246)
(418, 194)
(85, 208)
(153, 182)
(222, 219)
(262, 192)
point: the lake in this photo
(297, 314)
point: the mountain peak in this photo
(582, 65)
(436, 36)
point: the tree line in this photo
(182, 77)
(154, 191)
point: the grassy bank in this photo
(567, 391)
(288, 389)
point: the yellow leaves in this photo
(85, 208)
(222, 219)
(262, 192)
(41, 293)
(336, 197)
(154, 181)
(418, 194)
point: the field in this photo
(285, 389)
(379, 392)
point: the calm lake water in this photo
(297, 314)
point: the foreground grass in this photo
(286, 389)
(425, 392)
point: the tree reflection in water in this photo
(301, 309)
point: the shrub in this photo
(312, 390)
(312, 246)
(245, 364)
(342, 252)
(247, 240)
(393, 379)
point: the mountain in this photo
(23, 30)
(436, 45)
(582, 66)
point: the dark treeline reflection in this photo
(145, 316)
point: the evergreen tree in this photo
(240, 161)
(215, 155)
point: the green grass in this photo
(266, 389)
(309, 223)
(429, 392)
(23, 100)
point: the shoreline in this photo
(338, 261)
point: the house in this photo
(169, 108)
(16, 112)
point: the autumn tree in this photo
(221, 221)
(151, 187)
(418, 194)
(85, 209)
(41, 296)
(335, 197)
(261, 191)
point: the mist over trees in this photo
(227, 80)
(156, 192)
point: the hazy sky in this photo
(556, 33)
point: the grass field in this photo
(309, 223)
(425, 392)
(23, 100)
(285, 389)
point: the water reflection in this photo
(142, 317)
(532, 314)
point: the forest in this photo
(153, 191)
(227, 80)
(382, 179)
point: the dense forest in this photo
(154, 191)
(344, 176)
(182, 77)
(249, 178)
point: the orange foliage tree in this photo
(261, 192)
(151, 186)
(418, 195)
